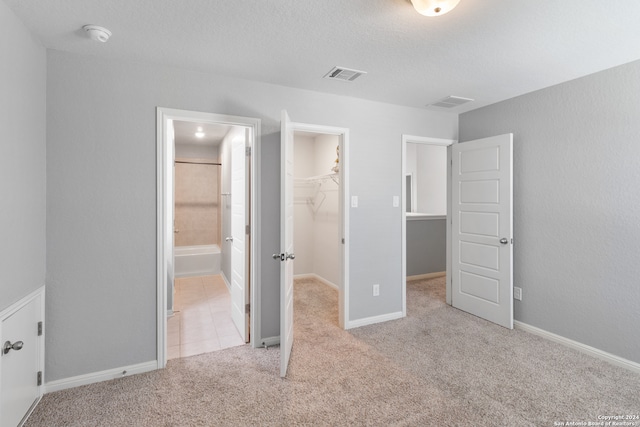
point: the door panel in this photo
(482, 228)
(238, 234)
(19, 367)
(286, 244)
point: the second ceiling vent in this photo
(450, 102)
(344, 74)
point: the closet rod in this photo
(198, 163)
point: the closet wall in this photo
(316, 211)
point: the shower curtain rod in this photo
(198, 163)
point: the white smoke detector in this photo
(97, 33)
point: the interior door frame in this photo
(426, 141)
(343, 177)
(165, 198)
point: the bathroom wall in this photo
(428, 165)
(23, 171)
(432, 179)
(197, 200)
(197, 151)
(316, 209)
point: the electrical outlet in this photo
(376, 290)
(354, 201)
(396, 201)
(517, 293)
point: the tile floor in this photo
(202, 320)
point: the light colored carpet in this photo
(437, 367)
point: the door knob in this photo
(291, 256)
(504, 241)
(8, 346)
(229, 239)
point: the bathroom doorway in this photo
(206, 251)
(425, 199)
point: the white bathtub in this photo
(201, 260)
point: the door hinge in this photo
(247, 308)
(247, 229)
(40, 328)
(39, 378)
(247, 150)
(343, 240)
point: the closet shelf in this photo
(311, 190)
(318, 179)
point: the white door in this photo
(20, 365)
(286, 243)
(482, 228)
(238, 236)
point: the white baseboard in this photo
(427, 276)
(583, 348)
(374, 319)
(271, 341)
(226, 282)
(319, 278)
(95, 377)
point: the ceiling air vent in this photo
(450, 102)
(344, 74)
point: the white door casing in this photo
(238, 235)
(286, 243)
(171, 173)
(482, 228)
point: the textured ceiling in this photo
(489, 50)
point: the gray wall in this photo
(23, 168)
(426, 246)
(101, 188)
(576, 205)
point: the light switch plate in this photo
(354, 201)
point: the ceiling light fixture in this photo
(97, 33)
(434, 7)
(199, 133)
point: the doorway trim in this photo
(165, 197)
(343, 176)
(426, 141)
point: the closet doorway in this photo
(319, 215)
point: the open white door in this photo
(482, 228)
(238, 236)
(286, 243)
